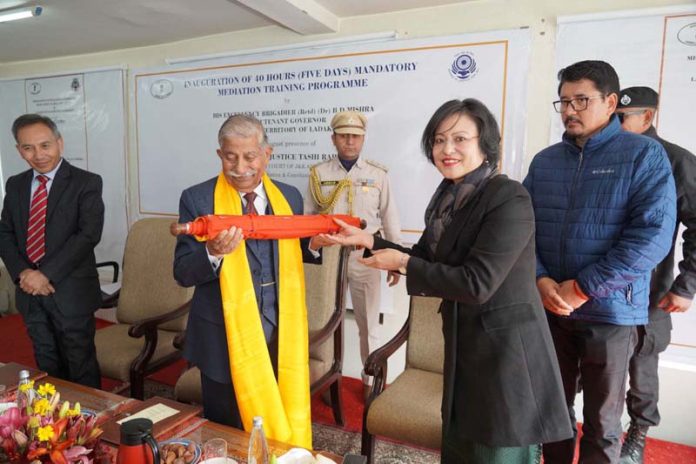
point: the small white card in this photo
(155, 413)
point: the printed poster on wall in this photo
(397, 84)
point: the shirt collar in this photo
(259, 190)
(50, 174)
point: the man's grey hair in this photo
(31, 119)
(243, 126)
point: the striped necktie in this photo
(36, 233)
(250, 207)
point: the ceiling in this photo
(70, 27)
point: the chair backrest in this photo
(425, 348)
(148, 287)
(322, 295)
(7, 292)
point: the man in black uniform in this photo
(636, 110)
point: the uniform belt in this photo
(268, 284)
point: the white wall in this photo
(539, 15)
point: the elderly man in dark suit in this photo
(245, 153)
(52, 219)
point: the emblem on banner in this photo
(464, 66)
(34, 88)
(625, 100)
(687, 34)
(161, 88)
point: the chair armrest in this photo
(151, 324)
(320, 336)
(114, 265)
(179, 341)
(376, 363)
(379, 357)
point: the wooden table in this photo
(107, 405)
(238, 441)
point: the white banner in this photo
(397, 84)
(657, 50)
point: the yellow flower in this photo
(41, 406)
(45, 433)
(47, 389)
(26, 386)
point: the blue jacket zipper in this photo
(571, 205)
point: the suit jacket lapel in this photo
(24, 204)
(460, 219)
(451, 232)
(60, 183)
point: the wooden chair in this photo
(326, 308)
(151, 309)
(325, 293)
(409, 409)
(7, 292)
(110, 300)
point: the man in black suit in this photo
(52, 219)
(244, 154)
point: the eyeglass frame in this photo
(561, 105)
(622, 114)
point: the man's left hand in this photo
(393, 278)
(320, 241)
(34, 282)
(673, 303)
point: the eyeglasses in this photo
(578, 104)
(622, 115)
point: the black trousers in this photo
(643, 392)
(220, 399)
(598, 354)
(63, 345)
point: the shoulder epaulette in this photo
(319, 164)
(377, 165)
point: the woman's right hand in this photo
(350, 235)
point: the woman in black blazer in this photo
(503, 395)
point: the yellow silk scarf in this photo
(285, 404)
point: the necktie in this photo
(250, 208)
(36, 232)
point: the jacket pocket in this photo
(505, 317)
(629, 294)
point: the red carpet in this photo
(16, 346)
(353, 406)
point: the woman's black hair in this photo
(488, 132)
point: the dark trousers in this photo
(643, 392)
(220, 400)
(598, 354)
(63, 345)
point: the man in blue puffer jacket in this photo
(604, 201)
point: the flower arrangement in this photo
(44, 430)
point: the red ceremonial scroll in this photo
(266, 226)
